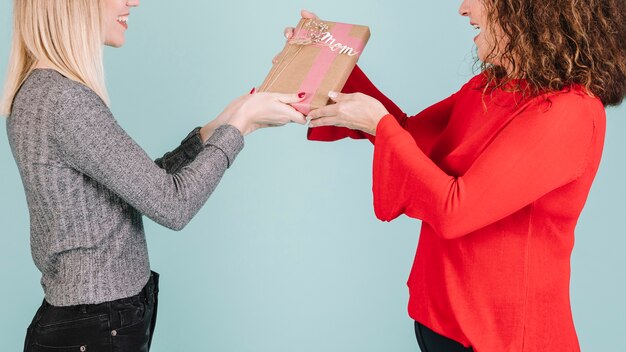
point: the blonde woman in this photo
(88, 183)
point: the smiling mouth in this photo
(123, 20)
(476, 27)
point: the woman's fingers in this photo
(289, 98)
(325, 121)
(286, 113)
(328, 110)
(338, 97)
(294, 115)
(288, 32)
(276, 59)
(281, 112)
(308, 14)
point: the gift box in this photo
(317, 59)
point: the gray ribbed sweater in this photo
(87, 185)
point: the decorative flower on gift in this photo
(318, 33)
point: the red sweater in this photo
(499, 183)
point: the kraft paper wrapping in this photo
(316, 60)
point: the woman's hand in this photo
(288, 32)
(253, 111)
(355, 111)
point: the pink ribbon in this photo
(323, 61)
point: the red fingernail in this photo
(253, 90)
(301, 95)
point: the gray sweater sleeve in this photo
(185, 153)
(91, 141)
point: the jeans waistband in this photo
(147, 293)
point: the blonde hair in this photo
(68, 34)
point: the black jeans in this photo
(430, 341)
(122, 325)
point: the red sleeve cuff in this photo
(387, 126)
(332, 133)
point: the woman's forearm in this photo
(91, 141)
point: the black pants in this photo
(122, 325)
(430, 341)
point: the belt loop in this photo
(144, 291)
(155, 282)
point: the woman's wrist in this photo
(372, 128)
(207, 130)
(239, 124)
(381, 112)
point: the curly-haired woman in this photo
(498, 172)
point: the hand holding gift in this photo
(355, 111)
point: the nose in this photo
(132, 3)
(464, 8)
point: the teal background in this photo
(287, 254)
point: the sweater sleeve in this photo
(185, 153)
(539, 151)
(425, 126)
(90, 141)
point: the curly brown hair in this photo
(555, 44)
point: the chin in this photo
(115, 40)
(114, 43)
